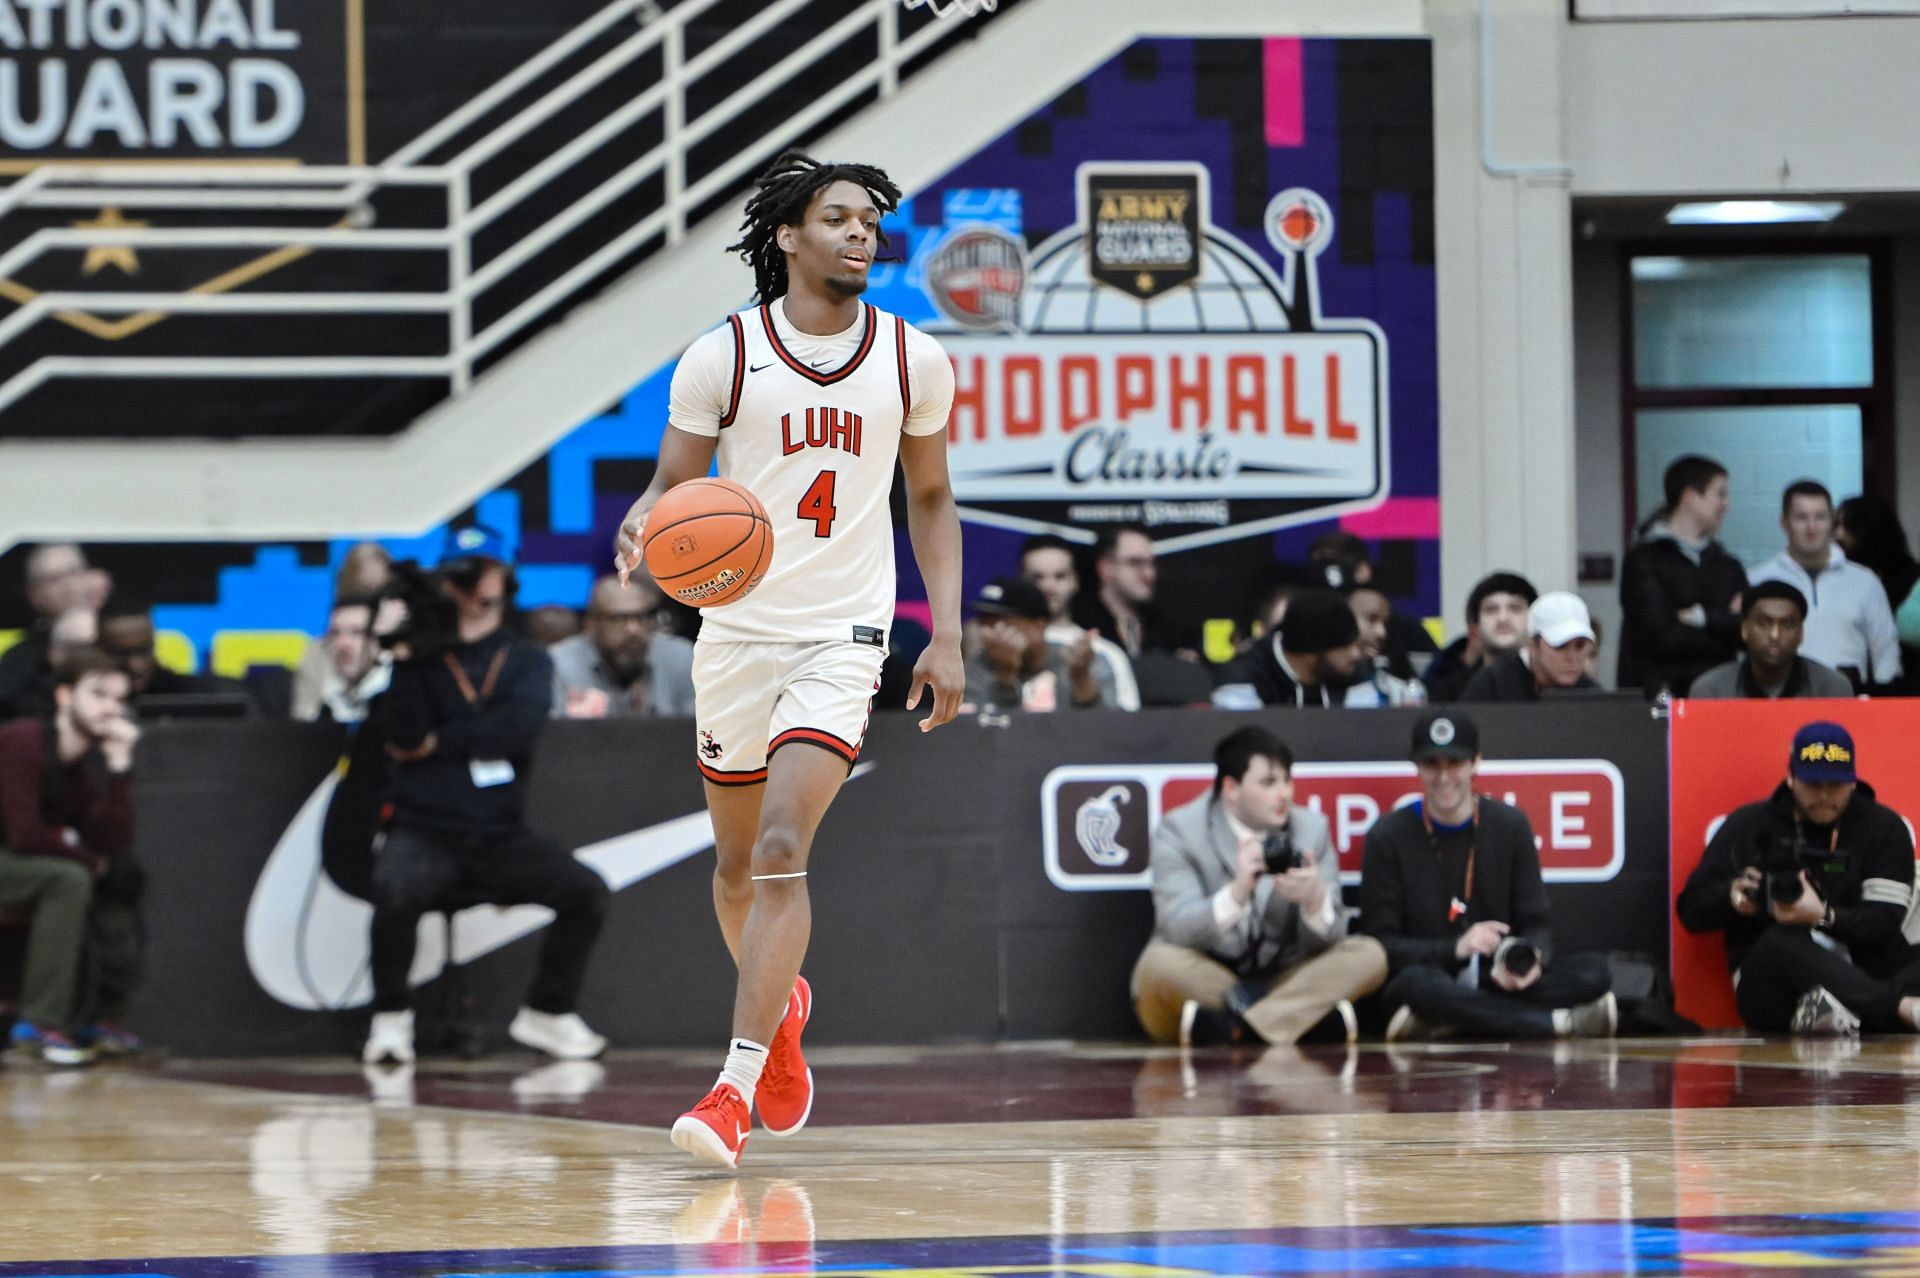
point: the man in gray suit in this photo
(1250, 939)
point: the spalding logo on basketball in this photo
(707, 542)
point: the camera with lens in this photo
(1518, 956)
(1280, 853)
(1778, 859)
(432, 625)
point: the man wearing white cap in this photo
(1554, 659)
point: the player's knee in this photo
(734, 880)
(780, 850)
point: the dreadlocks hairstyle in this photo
(783, 193)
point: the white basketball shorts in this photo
(750, 699)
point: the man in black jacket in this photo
(1310, 661)
(1451, 887)
(1679, 589)
(460, 724)
(1559, 645)
(1811, 887)
(1496, 626)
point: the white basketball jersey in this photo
(818, 447)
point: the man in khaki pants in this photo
(1250, 939)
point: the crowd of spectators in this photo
(1834, 613)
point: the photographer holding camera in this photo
(1250, 939)
(1451, 886)
(1811, 886)
(466, 702)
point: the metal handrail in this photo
(348, 188)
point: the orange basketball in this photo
(707, 542)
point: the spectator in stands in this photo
(1010, 664)
(364, 571)
(1679, 589)
(460, 720)
(1810, 887)
(1849, 623)
(1312, 661)
(1047, 562)
(623, 663)
(1870, 532)
(357, 669)
(1122, 609)
(1496, 625)
(1872, 535)
(1451, 886)
(127, 635)
(1775, 616)
(66, 829)
(1375, 684)
(59, 583)
(72, 630)
(550, 625)
(1559, 649)
(1340, 561)
(1250, 939)
(363, 574)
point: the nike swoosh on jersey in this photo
(759, 367)
(307, 943)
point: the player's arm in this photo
(933, 525)
(683, 456)
(699, 399)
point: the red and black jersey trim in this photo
(715, 775)
(739, 370)
(815, 737)
(799, 366)
(900, 353)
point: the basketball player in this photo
(807, 398)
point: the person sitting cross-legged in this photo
(1451, 886)
(1250, 939)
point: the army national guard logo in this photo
(1144, 236)
(1145, 366)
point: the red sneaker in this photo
(716, 1128)
(785, 1094)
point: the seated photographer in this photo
(1451, 886)
(1773, 622)
(1811, 886)
(466, 702)
(1250, 939)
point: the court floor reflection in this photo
(1061, 1146)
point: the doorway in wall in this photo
(1772, 359)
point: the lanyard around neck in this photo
(1473, 849)
(494, 667)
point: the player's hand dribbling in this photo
(626, 543)
(940, 669)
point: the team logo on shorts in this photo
(708, 746)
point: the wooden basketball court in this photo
(1703, 1156)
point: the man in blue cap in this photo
(467, 701)
(1811, 887)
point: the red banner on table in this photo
(1728, 753)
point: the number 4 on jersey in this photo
(817, 505)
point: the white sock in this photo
(1562, 1021)
(745, 1058)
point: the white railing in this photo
(347, 190)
